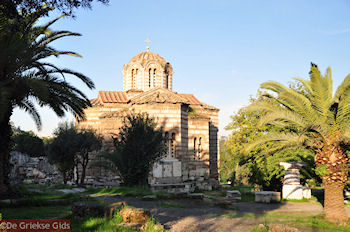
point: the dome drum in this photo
(147, 70)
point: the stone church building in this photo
(190, 126)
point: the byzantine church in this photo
(190, 126)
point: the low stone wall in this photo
(32, 170)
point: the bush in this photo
(137, 147)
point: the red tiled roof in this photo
(112, 97)
(190, 98)
(94, 101)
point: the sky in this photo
(220, 50)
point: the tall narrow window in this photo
(167, 144)
(194, 147)
(154, 77)
(135, 78)
(132, 78)
(173, 145)
(199, 148)
(166, 81)
(149, 78)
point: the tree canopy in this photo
(71, 148)
(26, 76)
(138, 145)
(316, 118)
(28, 6)
(28, 143)
(258, 167)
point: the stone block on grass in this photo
(111, 209)
(135, 215)
(88, 209)
(199, 196)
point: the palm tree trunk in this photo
(334, 179)
(334, 207)
(5, 142)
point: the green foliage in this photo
(28, 143)
(321, 170)
(137, 147)
(123, 190)
(26, 75)
(28, 6)
(70, 148)
(258, 166)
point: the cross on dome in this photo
(147, 44)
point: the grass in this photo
(109, 224)
(302, 221)
(301, 200)
(126, 191)
(35, 212)
(77, 224)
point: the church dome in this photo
(147, 70)
(144, 57)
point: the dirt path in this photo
(195, 215)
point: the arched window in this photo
(195, 147)
(199, 148)
(154, 77)
(172, 145)
(166, 81)
(134, 78)
(168, 145)
(149, 78)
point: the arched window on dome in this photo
(154, 77)
(134, 78)
(149, 78)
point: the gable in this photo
(158, 95)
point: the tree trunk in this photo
(5, 143)
(334, 207)
(77, 173)
(64, 174)
(333, 160)
(84, 164)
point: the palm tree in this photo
(27, 78)
(317, 119)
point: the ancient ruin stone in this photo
(88, 209)
(135, 215)
(149, 197)
(199, 196)
(233, 194)
(112, 208)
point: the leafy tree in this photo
(87, 142)
(62, 149)
(10, 7)
(137, 147)
(71, 148)
(27, 142)
(315, 118)
(27, 77)
(257, 166)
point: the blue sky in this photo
(221, 50)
